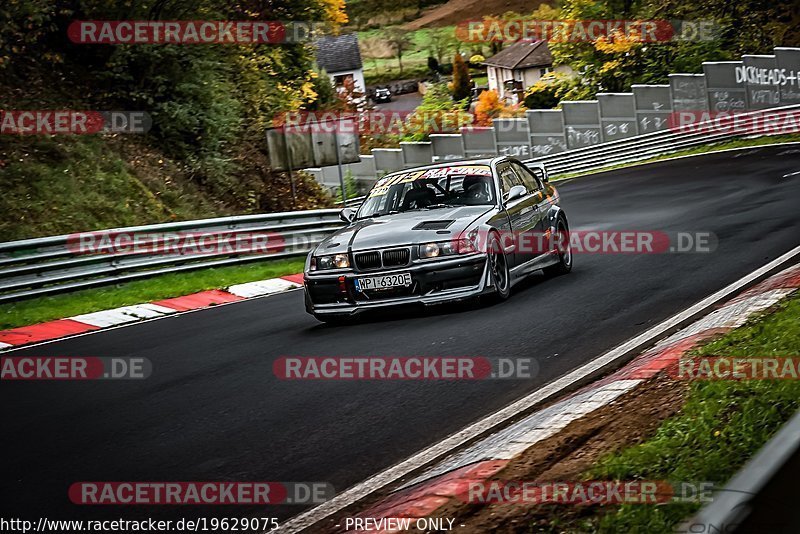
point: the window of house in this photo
(342, 79)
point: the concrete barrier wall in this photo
(512, 137)
(763, 89)
(788, 62)
(726, 89)
(547, 131)
(447, 147)
(617, 116)
(653, 107)
(478, 142)
(688, 92)
(582, 123)
(388, 159)
(416, 154)
(756, 82)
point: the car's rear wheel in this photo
(498, 269)
(564, 264)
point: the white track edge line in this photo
(177, 313)
(494, 420)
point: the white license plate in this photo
(383, 282)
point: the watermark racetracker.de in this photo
(174, 493)
(73, 122)
(495, 29)
(188, 32)
(74, 368)
(436, 368)
(585, 492)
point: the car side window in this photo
(530, 177)
(508, 179)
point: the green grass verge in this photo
(703, 149)
(720, 427)
(37, 310)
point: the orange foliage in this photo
(488, 107)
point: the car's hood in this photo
(407, 228)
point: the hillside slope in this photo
(456, 11)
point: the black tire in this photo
(498, 269)
(564, 264)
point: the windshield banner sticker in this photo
(383, 185)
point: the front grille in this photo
(396, 257)
(368, 260)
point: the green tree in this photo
(400, 42)
(744, 27)
(441, 42)
(209, 105)
(437, 113)
(325, 92)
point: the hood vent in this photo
(433, 225)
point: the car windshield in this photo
(429, 189)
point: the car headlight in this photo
(446, 248)
(334, 261)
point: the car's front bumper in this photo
(433, 282)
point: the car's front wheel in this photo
(498, 269)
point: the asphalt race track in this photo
(213, 411)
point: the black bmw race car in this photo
(440, 233)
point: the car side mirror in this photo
(516, 192)
(347, 215)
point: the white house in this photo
(340, 57)
(517, 67)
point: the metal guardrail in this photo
(43, 266)
(654, 144)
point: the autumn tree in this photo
(462, 84)
(490, 106)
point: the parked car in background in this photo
(382, 95)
